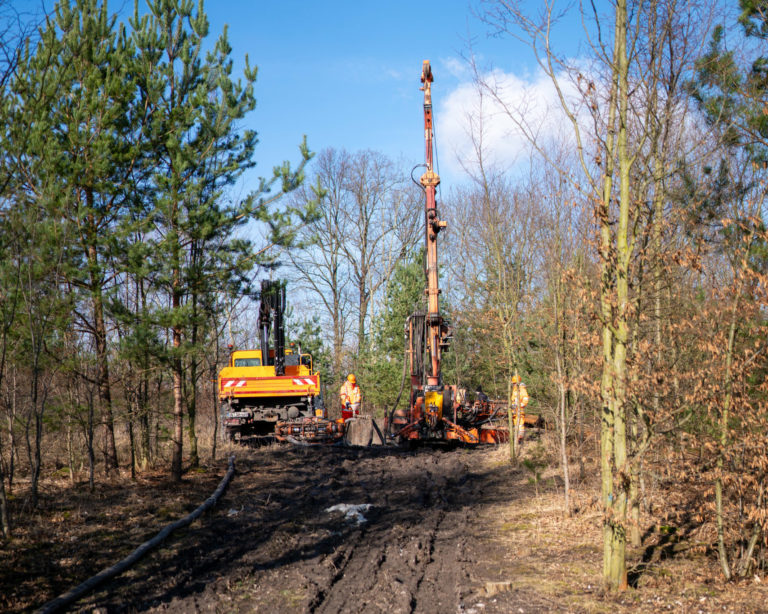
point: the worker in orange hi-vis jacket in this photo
(520, 399)
(351, 398)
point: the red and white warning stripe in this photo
(235, 383)
(239, 383)
(304, 381)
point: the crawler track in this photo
(272, 547)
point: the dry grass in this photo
(528, 543)
(560, 556)
(74, 529)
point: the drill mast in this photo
(430, 180)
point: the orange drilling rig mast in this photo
(432, 403)
(429, 181)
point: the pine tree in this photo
(195, 151)
(76, 140)
(731, 93)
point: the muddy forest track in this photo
(271, 546)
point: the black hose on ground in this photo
(379, 433)
(490, 418)
(107, 574)
(296, 442)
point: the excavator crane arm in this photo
(271, 314)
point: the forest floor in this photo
(446, 531)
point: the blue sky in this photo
(346, 73)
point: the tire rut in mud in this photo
(403, 559)
(396, 557)
(273, 547)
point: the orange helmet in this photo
(351, 378)
(515, 379)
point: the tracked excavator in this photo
(260, 387)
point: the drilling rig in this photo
(433, 412)
(436, 412)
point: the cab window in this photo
(247, 362)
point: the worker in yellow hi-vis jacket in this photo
(520, 399)
(351, 398)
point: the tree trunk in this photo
(5, 524)
(606, 312)
(561, 387)
(178, 406)
(155, 422)
(606, 382)
(34, 452)
(144, 423)
(132, 439)
(142, 390)
(214, 410)
(635, 537)
(36, 456)
(338, 338)
(757, 531)
(102, 359)
(214, 389)
(563, 441)
(363, 305)
(511, 421)
(194, 459)
(13, 445)
(90, 446)
(191, 396)
(70, 452)
(618, 565)
(178, 377)
(722, 551)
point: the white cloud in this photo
(519, 107)
(456, 67)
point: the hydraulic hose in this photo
(399, 394)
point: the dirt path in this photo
(271, 546)
(441, 531)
